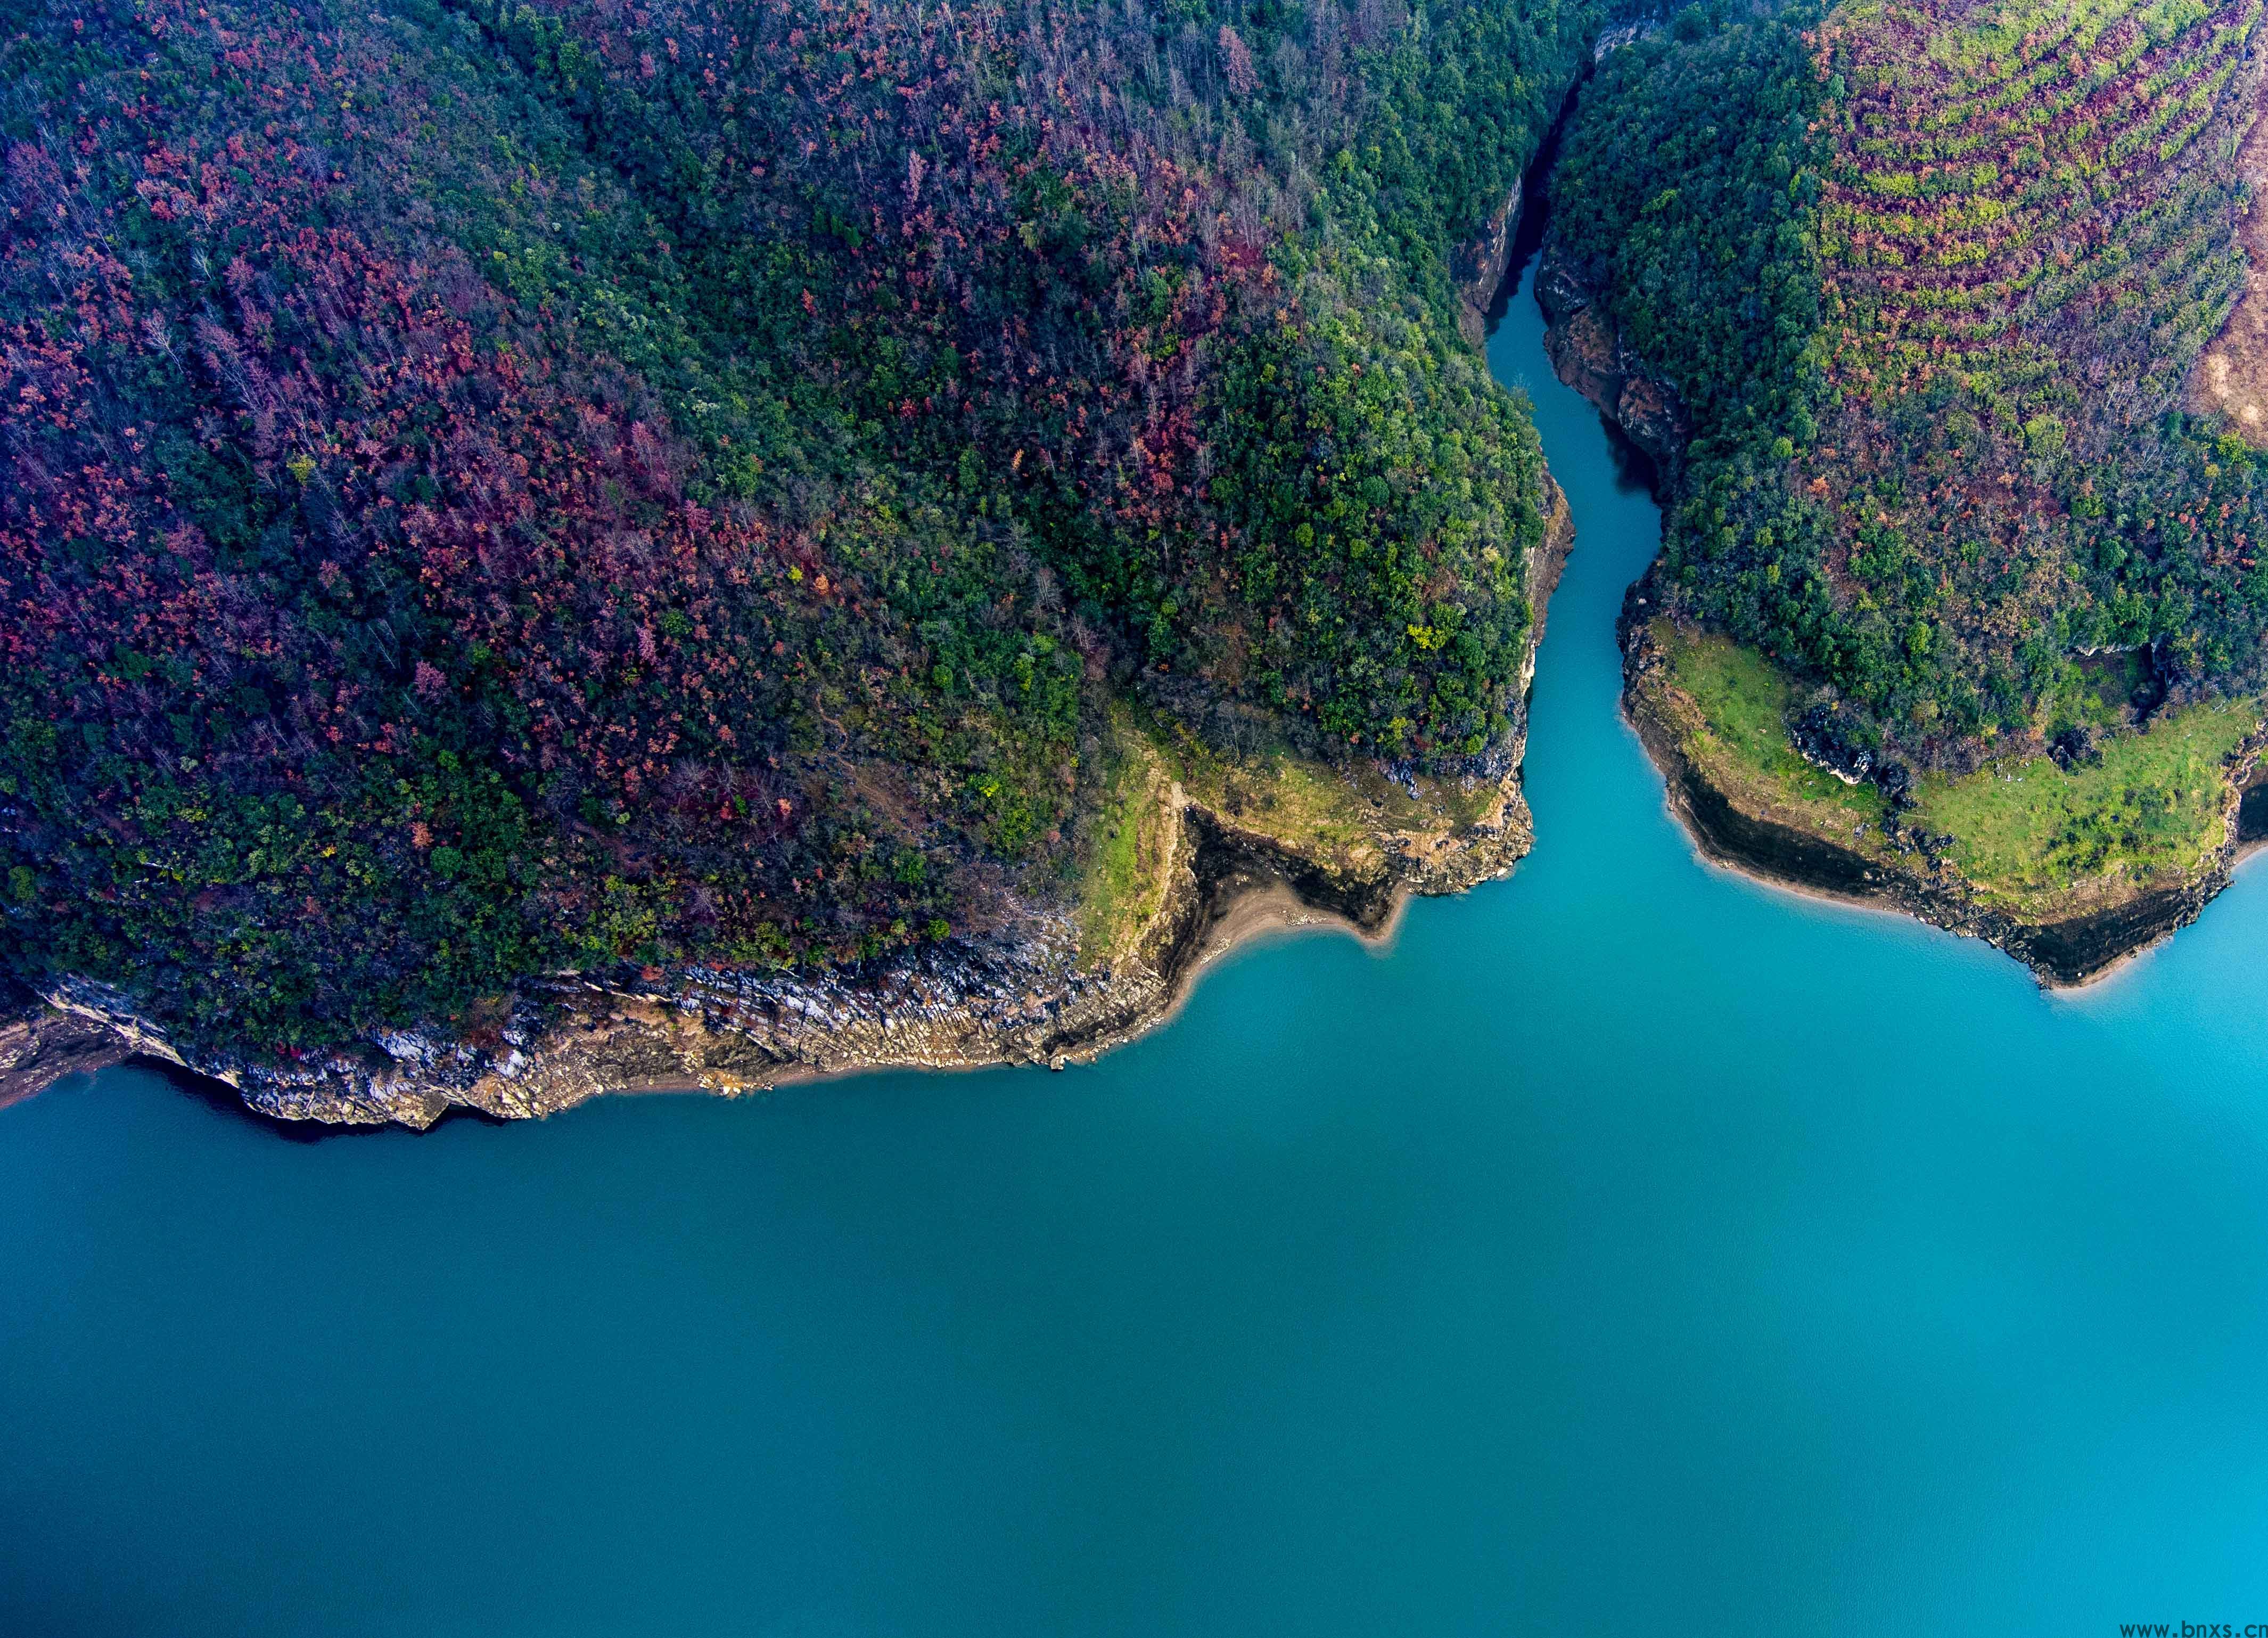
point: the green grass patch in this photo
(1336, 816)
(2152, 807)
(1742, 699)
(1313, 807)
(1350, 818)
(2097, 690)
(1123, 877)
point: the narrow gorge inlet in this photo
(1625, 1246)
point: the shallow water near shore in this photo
(1628, 1248)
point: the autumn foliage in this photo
(505, 489)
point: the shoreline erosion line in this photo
(1227, 886)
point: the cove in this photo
(1628, 1248)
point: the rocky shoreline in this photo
(1021, 998)
(1589, 355)
(2066, 953)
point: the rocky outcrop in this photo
(1477, 268)
(39, 1044)
(1588, 353)
(1025, 999)
(1908, 876)
(566, 1038)
(561, 1040)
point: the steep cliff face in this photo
(1478, 267)
(1035, 995)
(39, 1045)
(1587, 352)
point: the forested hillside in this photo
(492, 489)
(1929, 275)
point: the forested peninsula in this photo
(1941, 319)
(554, 546)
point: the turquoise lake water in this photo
(1629, 1249)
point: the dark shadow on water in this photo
(1636, 472)
(222, 1100)
(1535, 206)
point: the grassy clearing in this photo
(2151, 809)
(1741, 700)
(1303, 805)
(1313, 807)
(2026, 835)
(1345, 818)
(1124, 874)
(2098, 692)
